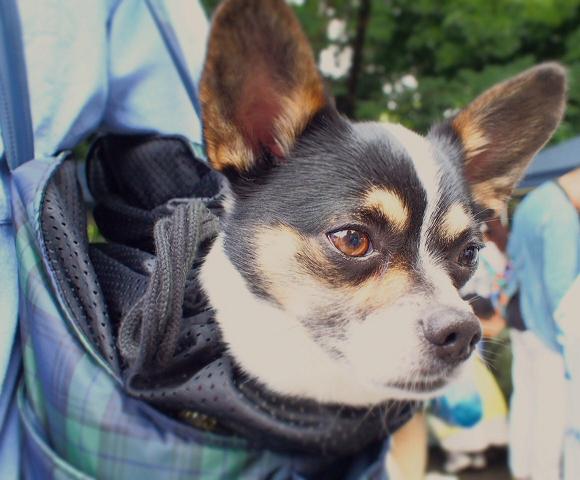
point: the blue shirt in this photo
(544, 248)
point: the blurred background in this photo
(413, 62)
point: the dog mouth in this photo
(419, 386)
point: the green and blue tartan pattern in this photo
(77, 421)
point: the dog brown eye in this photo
(351, 242)
(469, 257)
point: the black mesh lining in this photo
(63, 224)
(135, 182)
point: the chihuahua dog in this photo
(336, 275)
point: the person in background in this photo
(498, 232)
(568, 320)
(485, 287)
(544, 250)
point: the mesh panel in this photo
(64, 232)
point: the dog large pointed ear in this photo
(503, 129)
(260, 86)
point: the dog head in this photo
(344, 244)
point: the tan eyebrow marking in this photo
(455, 222)
(389, 205)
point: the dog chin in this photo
(425, 387)
(418, 391)
(428, 388)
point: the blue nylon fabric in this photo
(14, 105)
(10, 357)
(16, 130)
(8, 277)
(10, 450)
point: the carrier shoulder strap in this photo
(15, 116)
(163, 23)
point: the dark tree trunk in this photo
(364, 13)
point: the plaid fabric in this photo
(78, 422)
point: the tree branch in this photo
(364, 12)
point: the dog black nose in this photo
(452, 333)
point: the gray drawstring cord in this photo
(149, 332)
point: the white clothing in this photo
(538, 409)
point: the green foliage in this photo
(453, 48)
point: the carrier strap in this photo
(163, 23)
(15, 117)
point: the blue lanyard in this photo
(15, 117)
(163, 24)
